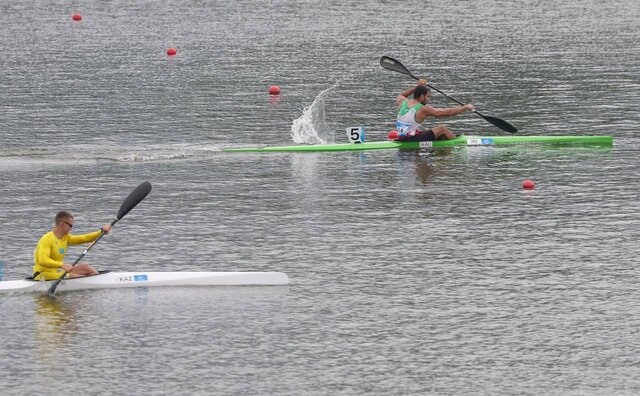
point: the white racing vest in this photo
(406, 123)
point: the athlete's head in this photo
(64, 218)
(422, 93)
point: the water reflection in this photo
(274, 100)
(427, 164)
(417, 161)
(55, 322)
(55, 330)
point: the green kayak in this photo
(604, 141)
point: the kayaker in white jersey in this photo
(412, 113)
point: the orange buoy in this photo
(528, 185)
(172, 51)
(274, 90)
(77, 17)
(393, 135)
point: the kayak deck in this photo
(604, 141)
(108, 280)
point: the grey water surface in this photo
(411, 273)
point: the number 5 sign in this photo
(355, 134)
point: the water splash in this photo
(311, 127)
(150, 156)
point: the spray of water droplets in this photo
(311, 127)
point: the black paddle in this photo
(132, 200)
(393, 65)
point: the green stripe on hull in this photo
(605, 141)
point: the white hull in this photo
(109, 280)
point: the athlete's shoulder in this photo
(48, 237)
(401, 100)
(428, 106)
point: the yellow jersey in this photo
(49, 254)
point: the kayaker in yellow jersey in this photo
(49, 254)
(412, 113)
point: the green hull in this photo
(605, 141)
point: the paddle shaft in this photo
(393, 65)
(129, 203)
(54, 286)
(449, 97)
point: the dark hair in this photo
(420, 90)
(63, 214)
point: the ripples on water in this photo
(412, 273)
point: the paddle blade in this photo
(133, 199)
(502, 124)
(393, 65)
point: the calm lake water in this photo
(411, 272)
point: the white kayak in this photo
(108, 280)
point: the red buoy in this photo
(274, 90)
(528, 185)
(77, 17)
(172, 51)
(393, 135)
